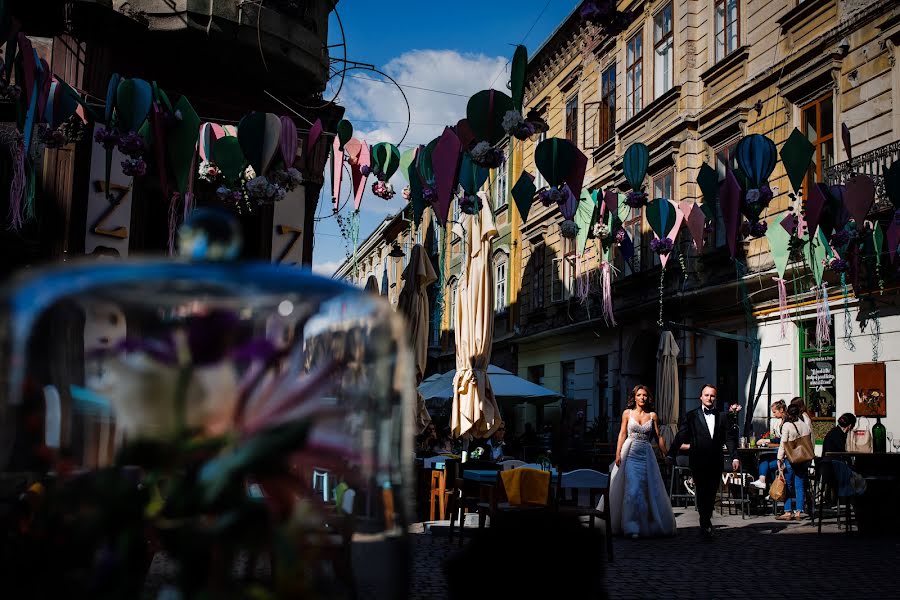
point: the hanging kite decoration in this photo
(563, 166)
(779, 246)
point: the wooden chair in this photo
(466, 495)
(589, 486)
(439, 492)
(506, 465)
(844, 495)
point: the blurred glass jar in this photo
(179, 429)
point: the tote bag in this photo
(859, 440)
(799, 450)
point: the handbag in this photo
(859, 440)
(778, 489)
(799, 450)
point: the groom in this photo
(702, 433)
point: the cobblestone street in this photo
(829, 565)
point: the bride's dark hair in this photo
(632, 402)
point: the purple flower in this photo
(108, 138)
(838, 265)
(662, 246)
(897, 216)
(620, 235)
(758, 229)
(366, 170)
(636, 199)
(134, 167)
(429, 195)
(132, 144)
(840, 238)
(470, 204)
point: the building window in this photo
(664, 185)
(452, 305)
(563, 282)
(568, 380)
(663, 51)
(608, 104)
(536, 374)
(501, 261)
(501, 184)
(728, 18)
(539, 180)
(634, 77)
(818, 125)
(572, 120)
(817, 372)
(537, 276)
(633, 226)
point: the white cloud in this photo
(326, 268)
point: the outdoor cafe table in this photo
(481, 476)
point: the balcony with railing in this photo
(872, 163)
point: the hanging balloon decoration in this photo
(385, 162)
(635, 163)
(756, 156)
(485, 112)
(559, 162)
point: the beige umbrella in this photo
(413, 303)
(667, 396)
(475, 411)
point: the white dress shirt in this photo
(710, 422)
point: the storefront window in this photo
(817, 372)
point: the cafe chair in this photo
(845, 493)
(737, 487)
(512, 464)
(522, 491)
(466, 495)
(439, 493)
(590, 497)
(677, 478)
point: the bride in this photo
(639, 504)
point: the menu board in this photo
(819, 385)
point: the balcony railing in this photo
(873, 164)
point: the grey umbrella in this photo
(667, 394)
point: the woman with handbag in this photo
(796, 446)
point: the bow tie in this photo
(709, 411)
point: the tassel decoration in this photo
(17, 185)
(823, 317)
(848, 322)
(782, 305)
(606, 289)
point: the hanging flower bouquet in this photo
(836, 265)
(131, 144)
(568, 229)
(383, 189)
(601, 231)
(514, 124)
(429, 194)
(486, 156)
(758, 229)
(662, 246)
(263, 191)
(551, 196)
(470, 204)
(636, 199)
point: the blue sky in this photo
(457, 48)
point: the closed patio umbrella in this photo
(667, 394)
(475, 411)
(413, 303)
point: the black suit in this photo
(705, 455)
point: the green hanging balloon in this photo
(229, 157)
(485, 112)
(555, 158)
(426, 170)
(517, 76)
(635, 163)
(406, 159)
(386, 158)
(344, 133)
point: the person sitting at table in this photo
(794, 474)
(493, 446)
(767, 462)
(835, 441)
(426, 439)
(443, 443)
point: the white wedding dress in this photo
(639, 504)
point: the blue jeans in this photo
(795, 476)
(766, 466)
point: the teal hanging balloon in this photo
(756, 156)
(635, 163)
